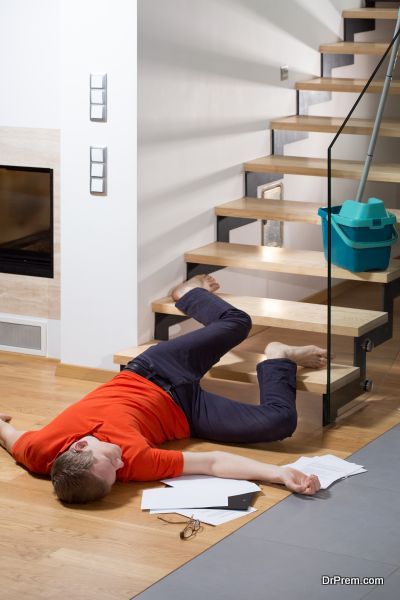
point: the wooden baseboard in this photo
(24, 355)
(84, 373)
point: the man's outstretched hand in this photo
(299, 482)
(8, 434)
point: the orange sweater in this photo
(129, 411)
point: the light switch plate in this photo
(97, 170)
(97, 185)
(284, 72)
(97, 96)
(98, 154)
(98, 81)
(97, 112)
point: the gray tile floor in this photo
(351, 530)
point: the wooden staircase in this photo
(304, 165)
(274, 210)
(287, 314)
(371, 13)
(345, 84)
(369, 48)
(239, 365)
(366, 327)
(389, 127)
(277, 260)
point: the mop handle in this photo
(379, 114)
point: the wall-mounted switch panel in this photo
(98, 81)
(97, 154)
(98, 170)
(97, 112)
(98, 97)
(284, 72)
(96, 185)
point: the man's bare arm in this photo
(8, 434)
(232, 466)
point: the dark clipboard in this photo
(238, 502)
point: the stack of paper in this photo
(329, 468)
(190, 494)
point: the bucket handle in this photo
(364, 245)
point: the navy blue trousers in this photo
(183, 361)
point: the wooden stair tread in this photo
(370, 13)
(275, 210)
(278, 210)
(370, 48)
(239, 365)
(389, 127)
(282, 260)
(288, 314)
(124, 356)
(304, 165)
(344, 84)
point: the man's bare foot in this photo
(199, 281)
(312, 357)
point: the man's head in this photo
(86, 471)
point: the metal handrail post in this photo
(379, 114)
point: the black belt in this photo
(143, 372)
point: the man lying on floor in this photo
(113, 432)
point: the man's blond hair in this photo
(72, 479)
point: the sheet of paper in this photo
(211, 516)
(183, 497)
(231, 486)
(344, 464)
(329, 468)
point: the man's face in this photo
(107, 457)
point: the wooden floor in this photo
(112, 550)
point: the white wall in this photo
(209, 85)
(98, 259)
(47, 50)
(29, 109)
(29, 65)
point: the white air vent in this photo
(18, 334)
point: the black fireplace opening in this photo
(26, 221)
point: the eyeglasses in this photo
(192, 527)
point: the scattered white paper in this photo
(182, 497)
(210, 516)
(192, 494)
(328, 468)
(231, 487)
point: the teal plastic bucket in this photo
(362, 235)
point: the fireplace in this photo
(26, 221)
